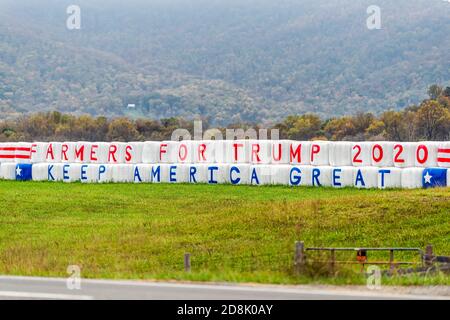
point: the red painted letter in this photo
(235, 146)
(201, 152)
(112, 153)
(358, 152)
(162, 149)
(93, 152)
(184, 155)
(277, 158)
(315, 149)
(296, 153)
(33, 148)
(425, 154)
(397, 158)
(79, 153)
(50, 152)
(380, 153)
(255, 150)
(128, 156)
(64, 149)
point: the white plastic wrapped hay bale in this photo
(89, 173)
(8, 171)
(122, 173)
(183, 173)
(217, 173)
(382, 154)
(71, 172)
(82, 152)
(320, 153)
(198, 173)
(239, 173)
(434, 177)
(300, 152)
(133, 152)
(116, 153)
(362, 154)
(53, 153)
(280, 174)
(38, 152)
(389, 178)
(280, 151)
(237, 151)
(96, 173)
(170, 173)
(301, 175)
(39, 171)
(22, 153)
(105, 173)
(142, 173)
(366, 177)
(99, 152)
(177, 173)
(342, 176)
(24, 172)
(168, 152)
(260, 174)
(220, 150)
(321, 176)
(260, 151)
(340, 153)
(426, 154)
(411, 178)
(443, 155)
(150, 152)
(68, 152)
(205, 151)
(186, 151)
(84, 167)
(167, 173)
(55, 171)
(7, 152)
(403, 154)
(156, 173)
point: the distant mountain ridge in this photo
(230, 61)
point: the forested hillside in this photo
(428, 121)
(228, 61)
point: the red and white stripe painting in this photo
(443, 155)
(15, 152)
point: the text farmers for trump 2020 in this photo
(381, 164)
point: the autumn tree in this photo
(303, 127)
(394, 125)
(122, 129)
(340, 129)
(433, 121)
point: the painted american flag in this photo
(15, 152)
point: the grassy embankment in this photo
(234, 233)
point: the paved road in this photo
(56, 288)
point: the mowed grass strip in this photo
(234, 233)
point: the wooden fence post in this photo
(187, 262)
(332, 260)
(429, 255)
(391, 260)
(299, 258)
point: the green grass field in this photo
(234, 233)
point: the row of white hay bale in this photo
(316, 153)
(295, 175)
